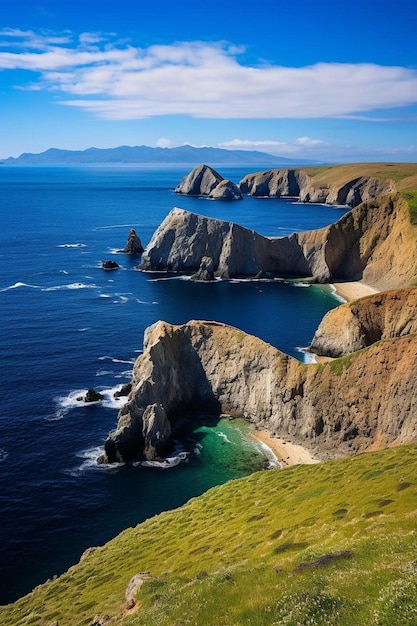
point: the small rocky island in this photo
(205, 181)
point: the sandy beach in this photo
(286, 452)
(353, 290)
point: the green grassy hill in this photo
(403, 174)
(333, 543)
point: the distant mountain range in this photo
(145, 154)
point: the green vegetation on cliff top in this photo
(403, 174)
(329, 544)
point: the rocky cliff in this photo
(205, 181)
(359, 324)
(363, 401)
(374, 242)
(288, 182)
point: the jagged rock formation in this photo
(361, 402)
(359, 324)
(374, 242)
(205, 181)
(91, 396)
(276, 183)
(133, 245)
(206, 270)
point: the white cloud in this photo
(308, 142)
(164, 142)
(114, 80)
(301, 145)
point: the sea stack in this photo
(205, 181)
(133, 245)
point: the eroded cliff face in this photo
(356, 325)
(289, 182)
(374, 242)
(361, 402)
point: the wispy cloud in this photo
(115, 80)
(301, 145)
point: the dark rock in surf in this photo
(124, 391)
(91, 396)
(110, 265)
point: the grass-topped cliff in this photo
(403, 175)
(330, 544)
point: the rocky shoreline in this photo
(331, 408)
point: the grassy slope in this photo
(333, 543)
(403, 174)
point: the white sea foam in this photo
(72, 245)
(127, 374)
(19, 284)
(122, 299)
(144, 302)
(3, 454)
(300, 284)
(178, 456)
(83, 330)
(117, 226)
(272, 458)
(70, 286)
(114, 360)
(72, 401)
(336, 295)
(308, 357)
(224, 437)
(89, 462)
(103, 372)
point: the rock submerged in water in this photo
(110, 265)
(205, 181)
(133, 245)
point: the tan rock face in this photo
(337, 408)
(359, 324)
(287, 182)
(374, 242)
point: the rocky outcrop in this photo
(359, 324)
(275, 183)
(91, 396)
(110, 265)
(374, 242)
(133, 245)
(342, 407)
(288, 182)
(205, 181)
(206, 270)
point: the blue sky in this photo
(315, 80)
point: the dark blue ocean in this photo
(67, 325)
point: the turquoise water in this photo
(68, 326)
